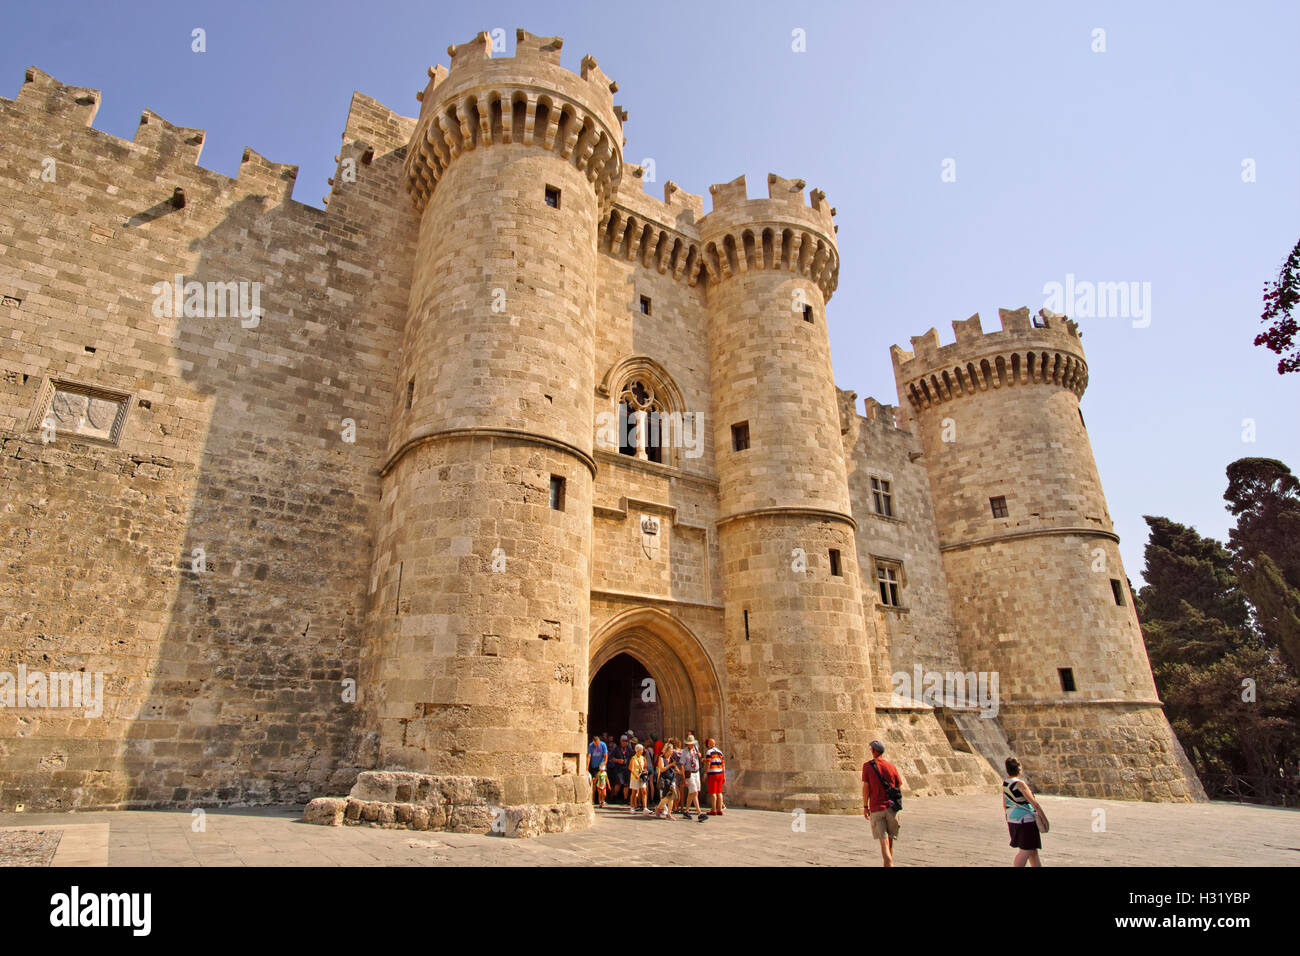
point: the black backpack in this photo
(894, 795)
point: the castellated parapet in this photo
(1044, 350)
(378, 537)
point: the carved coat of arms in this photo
(650, 536)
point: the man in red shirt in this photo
(877, 774)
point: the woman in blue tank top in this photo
(1023, 813)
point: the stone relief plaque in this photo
(68, 409)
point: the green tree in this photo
(1264, 497)
(1190, 578)
(1232, 701)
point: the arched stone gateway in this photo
(685, 681)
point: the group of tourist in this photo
(668, 772)
(671, 773)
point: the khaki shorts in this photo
(884, 823)
(637, 784)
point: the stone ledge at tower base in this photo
(812, 792)
(1106, 749)
(415, 801)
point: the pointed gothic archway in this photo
(686, 683)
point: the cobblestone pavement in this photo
(28, 847)
(937, 831)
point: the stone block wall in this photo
(210, 561)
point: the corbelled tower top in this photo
(528, 98)
(780, 232)
(1045, 350)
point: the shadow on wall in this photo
(257, 691)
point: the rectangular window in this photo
(746, 624)
(740, 436)
(645, 305)
(1117, 589)
(999, 505)
(887, 576)
(835, 563)
(1067, 678)
(557, 493)
(807, 313)
(1081, 421)
(552, 197)
(882, 497)
(410, 393)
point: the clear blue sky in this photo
(1117, 166)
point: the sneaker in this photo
(700, 818)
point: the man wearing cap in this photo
(878, 776)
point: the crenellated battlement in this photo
(780, 232)
(785, 199)
(537, 56)
(1045, 349)
(876, 411)
(527, 99)
(173, 148)
(678, 209)
(660, 235)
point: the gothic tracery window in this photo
(639, 413)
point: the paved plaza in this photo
(937, 831)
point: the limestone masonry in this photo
(406, 497)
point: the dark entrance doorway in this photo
(624, 696)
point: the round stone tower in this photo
(799, 704)
(482, 580)
(1040, 596)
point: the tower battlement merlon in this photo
(40, 91)
(372, 134)
(257, 174)
(1045, 349)
(527, 99)
(780, 232)
(168, 141)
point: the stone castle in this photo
(497, 451)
